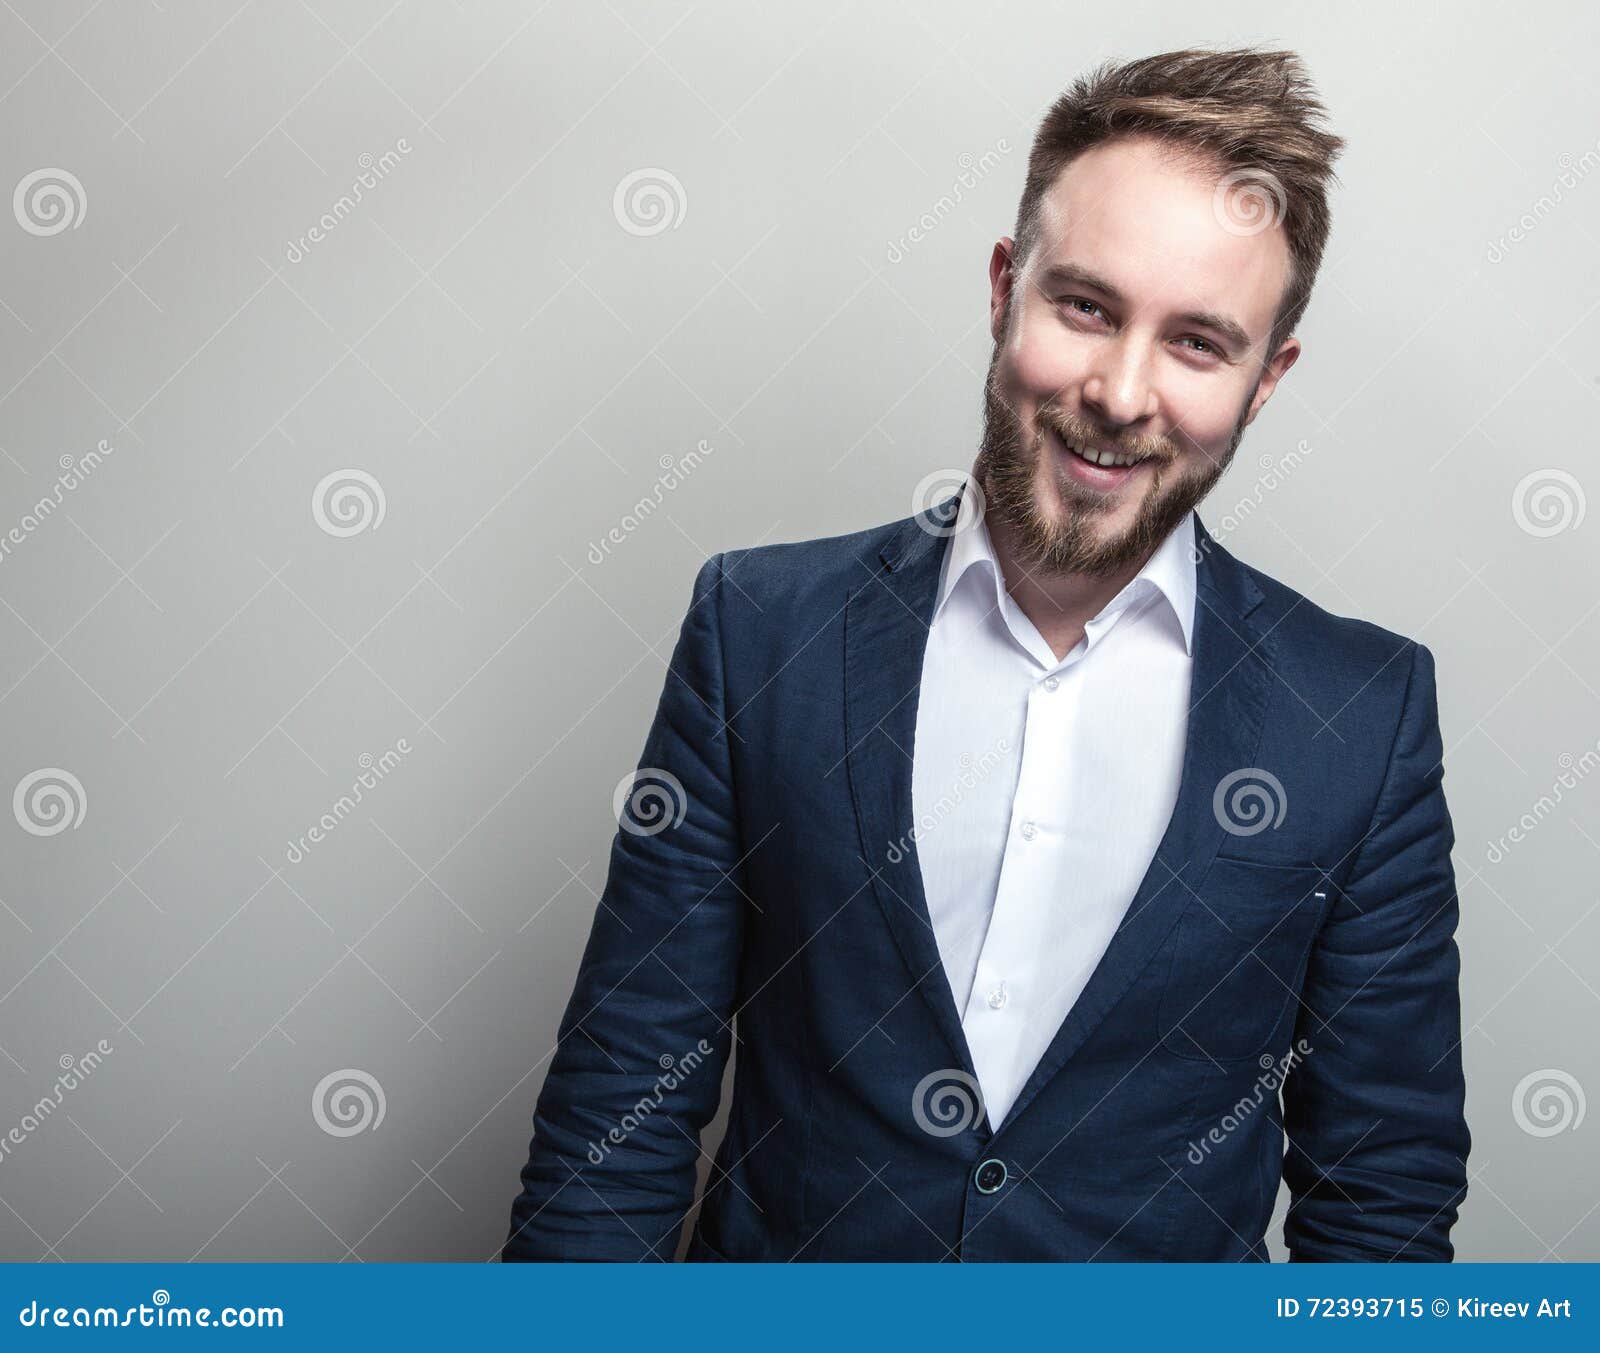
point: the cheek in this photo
(1044, 361)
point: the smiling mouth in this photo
(1093, 467)
(1092, 455)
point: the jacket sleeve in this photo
(638, 1063)
(1376, 1162)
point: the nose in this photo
(1117, 387)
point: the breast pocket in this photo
(1239, 957)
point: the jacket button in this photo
(990, 1175)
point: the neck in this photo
(1060, 605)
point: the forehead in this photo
(1148, 221)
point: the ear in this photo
(1285, 357)
(1001, 284)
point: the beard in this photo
(1075, 542)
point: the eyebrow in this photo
(1073, 274)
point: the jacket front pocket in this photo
(1239, 958)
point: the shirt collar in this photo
(1170, 569)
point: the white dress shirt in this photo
(1041, 789)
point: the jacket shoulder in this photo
(790, 574)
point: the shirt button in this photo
(990, 1175)
(997, 997)
(1029, 831)
(1050, 683)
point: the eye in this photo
(1206, 347)
(1075, 301)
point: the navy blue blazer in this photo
(1292, 975)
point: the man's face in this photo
(1137, 326)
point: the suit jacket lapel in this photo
(886, 630)
(886, 634)
(1229, 686)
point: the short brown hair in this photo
(1252, 116)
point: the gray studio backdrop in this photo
(375, 376)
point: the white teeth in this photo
(1095, 457)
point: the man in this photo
(1051, 864)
